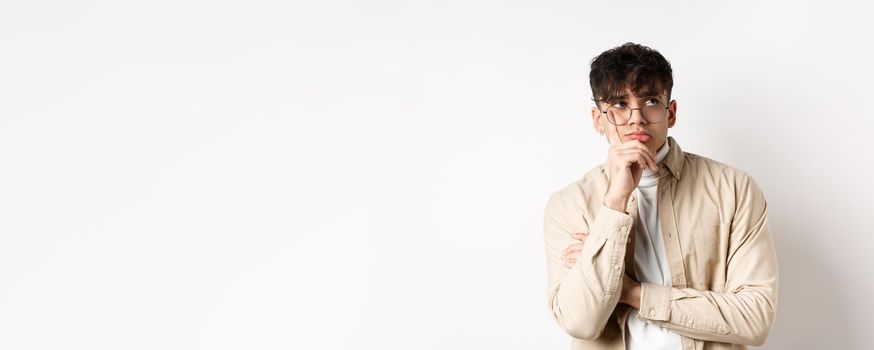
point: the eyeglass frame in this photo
(631, 113)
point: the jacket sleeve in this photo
(582, 297)
(744, 312)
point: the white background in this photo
(373, 174)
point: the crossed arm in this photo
(585, 285)
(631, 289)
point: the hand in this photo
(630, 292)
(572, 252)
(625, 164)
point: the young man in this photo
(657, 248)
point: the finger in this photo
(646, 162)
(649, 161)
(572, 256)
(648, 154)
(642, 162)
(648, 151)
(641, 146)
(637, 145)
(640, 157)
(569, 254)
(635, 157)
(574, 248)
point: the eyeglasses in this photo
(619, 113)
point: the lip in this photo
(639, 135)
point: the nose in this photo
(639, 119)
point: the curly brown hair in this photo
(644, 70)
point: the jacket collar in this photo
(675, 159)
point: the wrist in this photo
(616, 202)
(634, 297)
(631, 295)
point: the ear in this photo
(672, 114)
(597, 121)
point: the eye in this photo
(618, 104)
(651, 102)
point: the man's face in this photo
(653, 135)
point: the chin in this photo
(656, 144)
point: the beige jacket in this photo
(714, 222)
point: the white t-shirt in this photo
(650, 263)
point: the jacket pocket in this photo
(711, 248)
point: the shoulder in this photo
(719, 177)
(704, 168)
(591, 180)
(582, 196)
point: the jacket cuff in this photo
(614, 225)
(655, 302)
